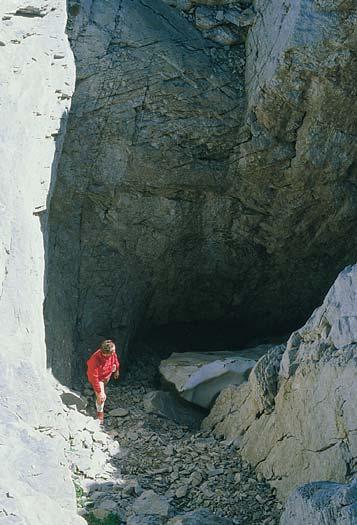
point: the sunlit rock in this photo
(302, 429)
(199, 377)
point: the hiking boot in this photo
(100, 417)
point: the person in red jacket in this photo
(101, 365)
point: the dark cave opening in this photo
(177, 217)
(196, 336)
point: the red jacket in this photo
(101, 367)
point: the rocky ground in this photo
(143, 469)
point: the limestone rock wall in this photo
(201, 180)
(296, 417)
(37, 81)
(295, 175)
(143, 176)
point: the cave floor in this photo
(189, 469)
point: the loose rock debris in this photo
(140, 468)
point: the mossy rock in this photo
(111, 519)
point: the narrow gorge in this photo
(180, 176)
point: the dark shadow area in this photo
(155, 231)
(50, 284)
(208, 336)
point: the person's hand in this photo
(116, 374)
(101, 398)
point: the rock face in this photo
(211, 181)
(152, 166)
(203, 176)
(34, 53)
(199, 377)
(37, 81)
(322, 503)
(302, 429)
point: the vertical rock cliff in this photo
(205, 171)
(140, 197)
(37, 81)
(296, 417)
(208, 171)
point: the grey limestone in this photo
(322, 503)
(296, 416)
(199, 377)
(206, 175)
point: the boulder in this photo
(296, 416)
(199, 377)
(322, 503)
(333, 324)
(118, 412)
(150, 503)
(72, 399)
(166, 404)
(199, 517)
(101, 514)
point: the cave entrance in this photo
(157, 223)
(198, 336)
(160, 341)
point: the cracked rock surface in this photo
(296, 416)
(207, 174)
(156, 113)
(201, 180)
(199, 377)
(37, 81)
(322, 503)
